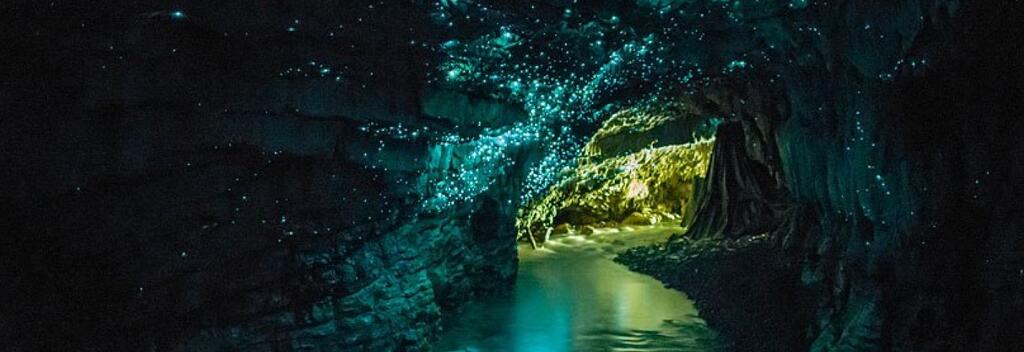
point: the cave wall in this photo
(893, 150)
(251, 251)
(912, 177)
(216, 182)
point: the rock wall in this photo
(918, 239)
(213, 181)
(643, 188)
(246, 250)
(899, 229)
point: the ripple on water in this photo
(570, 296)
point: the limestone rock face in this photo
(625, 177)
(633, 130)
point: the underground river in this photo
(571, 296)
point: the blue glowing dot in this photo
(178, 15)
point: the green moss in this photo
(634, 129)
(647, 186)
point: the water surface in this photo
(570, 296)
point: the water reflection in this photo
(570, 296)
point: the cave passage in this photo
(495, 175)
(631, 187)
(570, 296)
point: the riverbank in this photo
(571, 296)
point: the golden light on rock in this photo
(622, 184)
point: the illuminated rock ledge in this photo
(624, 183)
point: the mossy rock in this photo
(640, 219)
